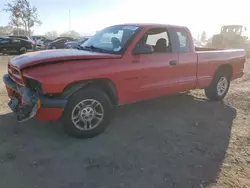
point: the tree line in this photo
(23, 16)
(54, 34)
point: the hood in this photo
(49, 56)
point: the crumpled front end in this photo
(26, 102)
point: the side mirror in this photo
(143, 49)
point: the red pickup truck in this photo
(120, 64)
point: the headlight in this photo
(33, 84)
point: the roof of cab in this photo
(152, 24)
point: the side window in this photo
(158, 39)
(183, 41)
(15, 41)
(4, 41)
(153, 38)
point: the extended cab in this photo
(120, 64)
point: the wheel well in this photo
(226, 69)
(105, 84)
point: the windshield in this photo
(112, 39)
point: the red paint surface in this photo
(136, 77)
(49, 114)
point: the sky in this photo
(89, 16)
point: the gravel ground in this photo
(178, 141)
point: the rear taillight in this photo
(245, 59)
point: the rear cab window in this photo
(184, 41)
(180, 40)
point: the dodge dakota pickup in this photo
(120, 64)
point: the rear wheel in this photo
(87, 113)
(4, 51)
(219, 87)
(22, 50)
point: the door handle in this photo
(173, 62)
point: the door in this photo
(187, 58)
(15, 45)
(158, 72)
(61, 43)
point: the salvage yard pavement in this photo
(177, 141)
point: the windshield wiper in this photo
(92, 48)
(79, 47)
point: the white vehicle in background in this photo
(39, 39)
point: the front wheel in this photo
(219, 87)
(22, 50)
(87, 113)
(4, 51)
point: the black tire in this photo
(85, 94)
(4, 51)
(212, 92)
(22, 50)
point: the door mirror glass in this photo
(143, 49)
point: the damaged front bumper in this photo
(25, 102)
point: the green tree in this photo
(51, 34)
(29, 16)
(6, 30)
(22, 14)
(14, 8)
(71, 33)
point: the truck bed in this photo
(197, 49)
(209, 59)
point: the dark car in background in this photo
(22, 37)
(18, 45)
(48, 41)
(59, 43)
(75, 43)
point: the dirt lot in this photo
(178, 141)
